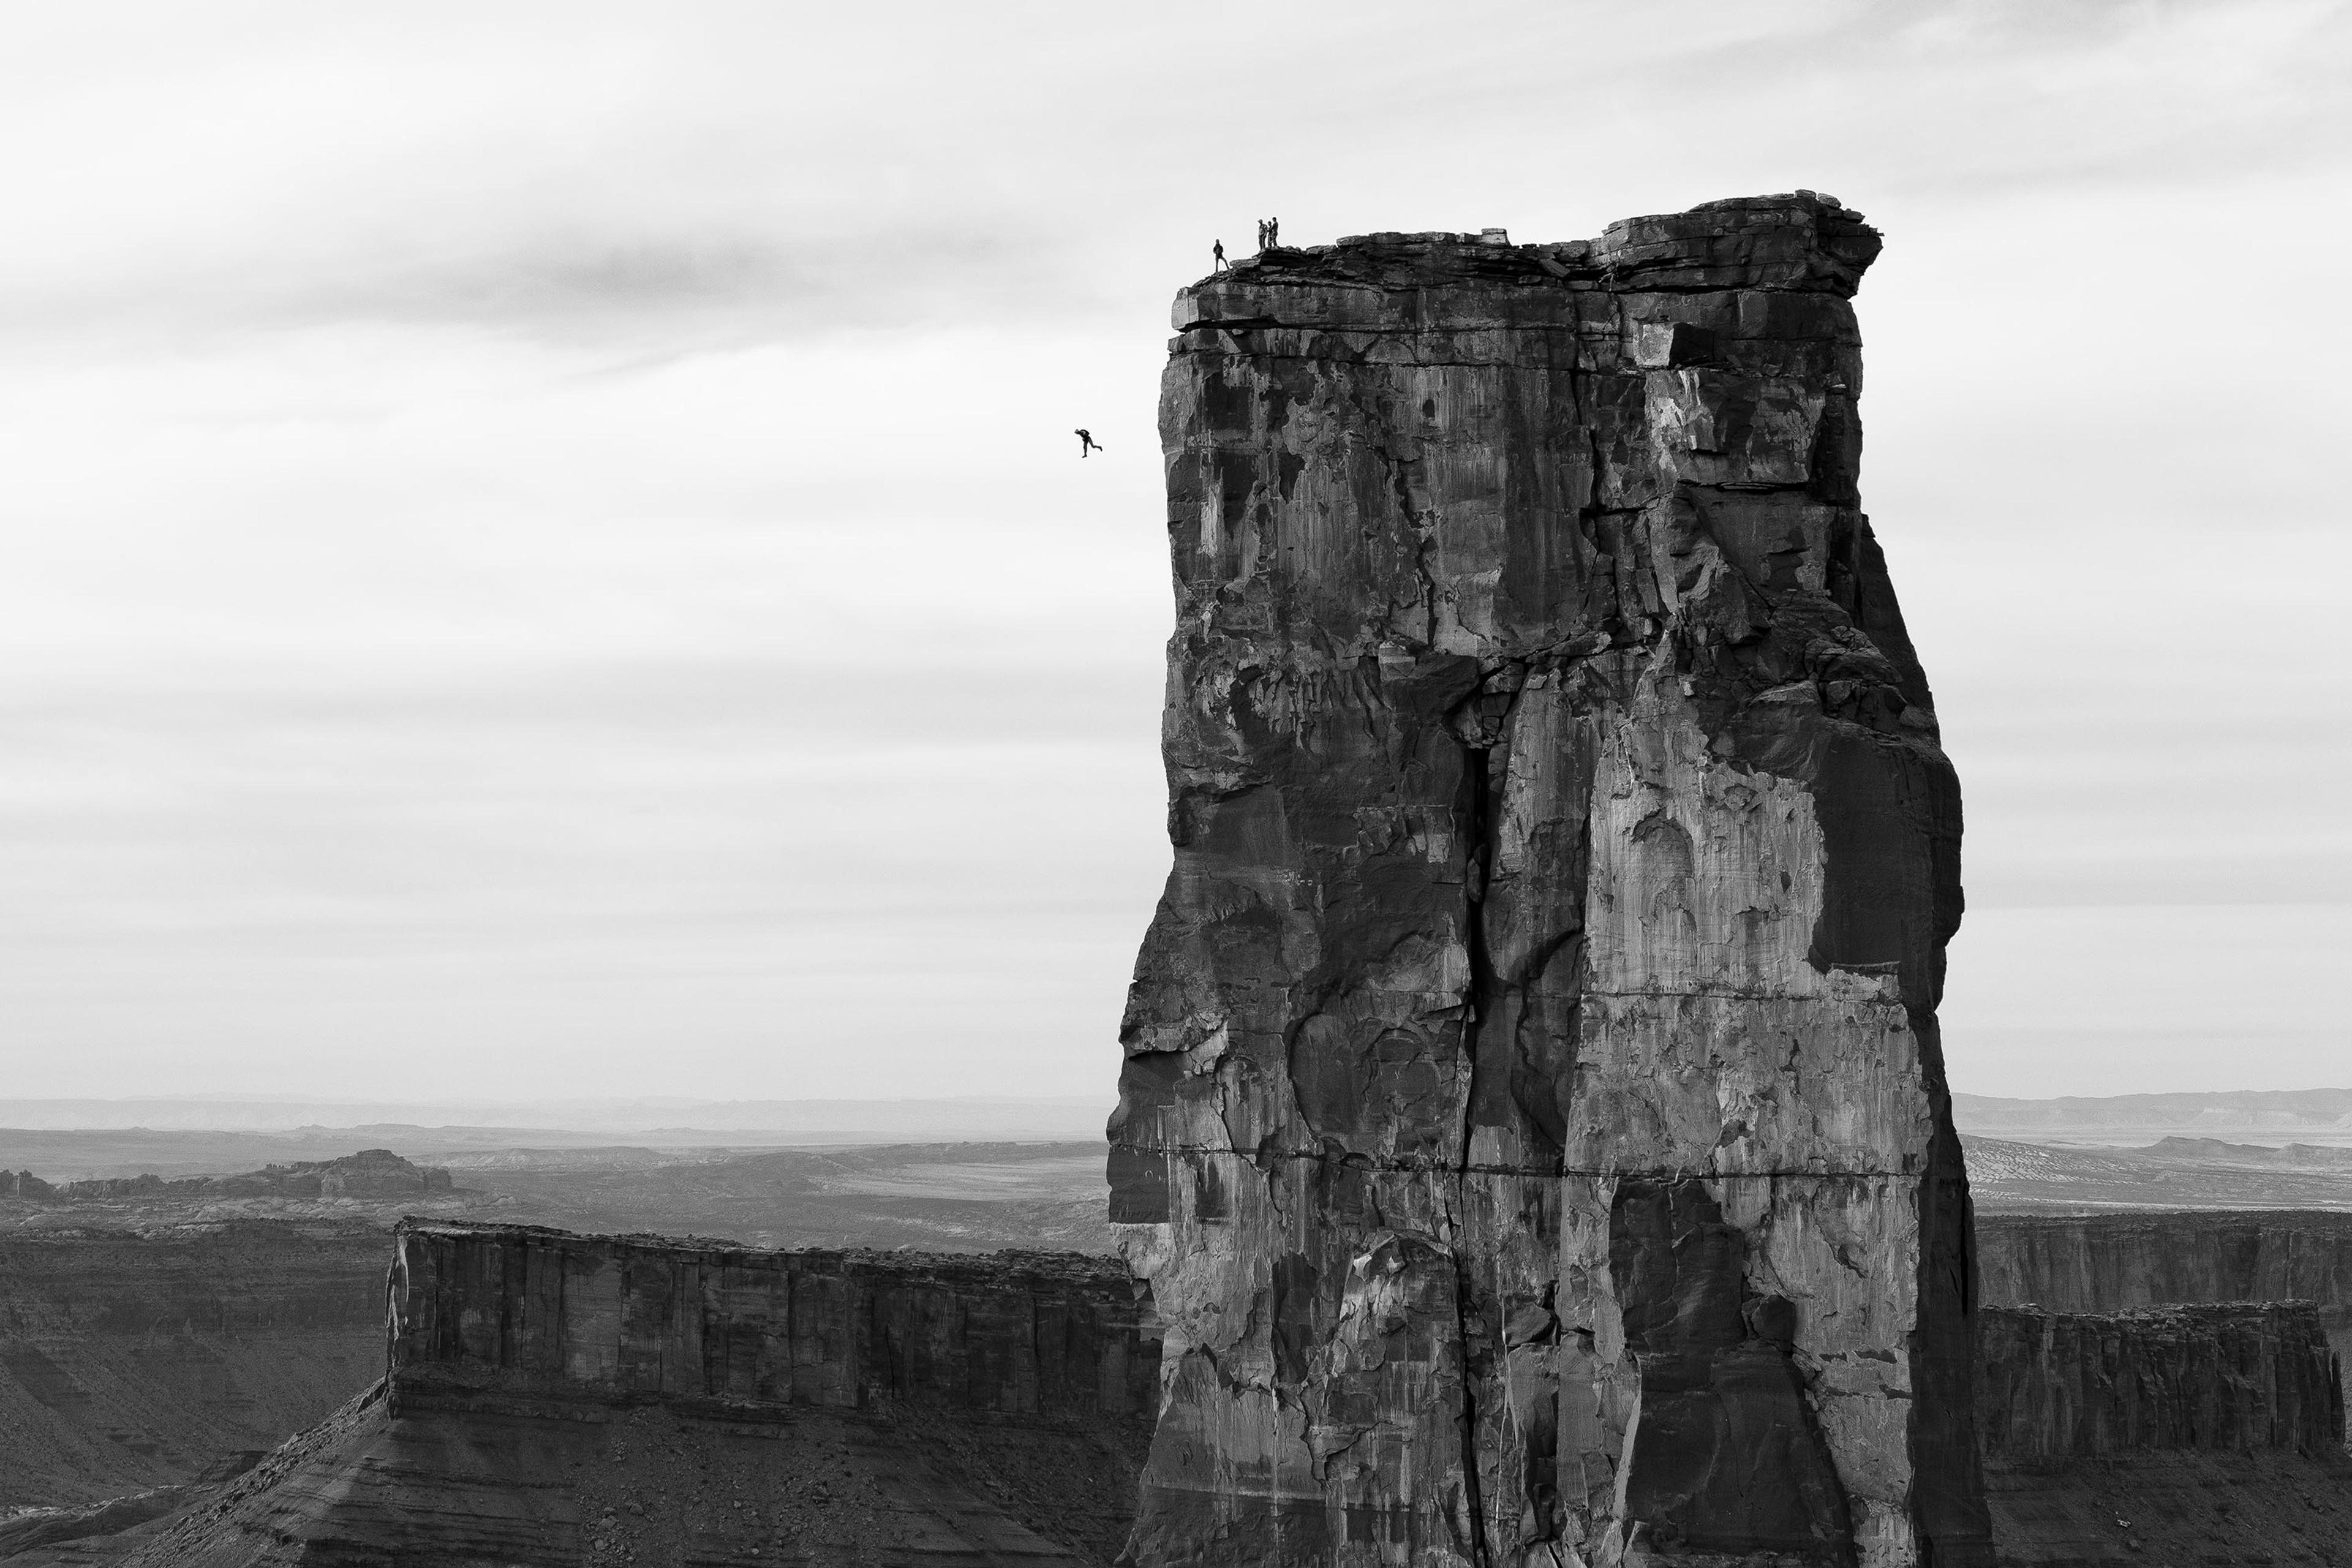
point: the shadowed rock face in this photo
(132, 1362)
(2186, 1434)
(1532, 1084)
(2239, 1377)
(2100, 1263)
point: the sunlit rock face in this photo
(1533, 1116)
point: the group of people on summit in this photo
(1269, 235)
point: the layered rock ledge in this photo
(2112, 1262)
(2104, 1263)
(1532, 1088)
(521, 1313)
(2240, 1378)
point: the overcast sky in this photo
(545, 552)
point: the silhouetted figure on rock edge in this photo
(1221, 265)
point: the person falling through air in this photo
(1087, 445)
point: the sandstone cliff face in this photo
(2101, 1263)
(2200, 1434)
(520, 1312)
(1532, 1080)
(563, 1399)
(2242, 1378)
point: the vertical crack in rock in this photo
(1533, 1121)
(1479, 1001)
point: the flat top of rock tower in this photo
(1801, 241)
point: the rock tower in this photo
(1533, 1096)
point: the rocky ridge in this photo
(1532, 1089)
(369, 1173)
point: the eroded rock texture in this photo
(2100, 1263)
(519, 1314)
(556, 1399)
(1532, 1077)
(2239, 1378)
(2103, 1263)
(2209, 1433)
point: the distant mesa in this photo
(375, 1173)
(2323, 1111)
(2221, 1151)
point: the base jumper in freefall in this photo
(1087, 445)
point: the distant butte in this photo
(369, 1173)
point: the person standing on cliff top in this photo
(1273, 235)
(1087, 445)
(1221, 265)
(1261, 234)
